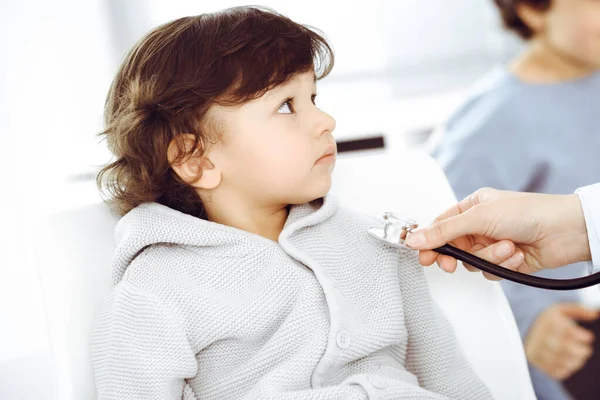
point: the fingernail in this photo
(504, 250)
(516, 259)
(415, 239)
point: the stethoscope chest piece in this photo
(394, 231)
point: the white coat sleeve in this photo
(590, 201)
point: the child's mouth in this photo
(327, 159)
(328, 156)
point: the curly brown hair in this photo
(172, 76)
(510, 16)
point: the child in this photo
(235, 276)
(533, 126)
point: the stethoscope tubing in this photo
(517, 277)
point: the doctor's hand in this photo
(548, 230)
(556, 344)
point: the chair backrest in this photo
(73, 251)
(412, 185)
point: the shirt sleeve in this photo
(482, 145)
(590, 202)
(139, 349)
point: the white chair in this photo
(411, 184)
(74, 250)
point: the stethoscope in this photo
(395, 231)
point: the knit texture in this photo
(201, 310)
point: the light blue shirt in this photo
(526, 137)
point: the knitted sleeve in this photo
(433, 355)
(344, 391)
(139, 350)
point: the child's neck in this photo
(543, 63)
(266, 221)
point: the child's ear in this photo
(197, 170)
(532, 17)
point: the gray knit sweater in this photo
(201, 310)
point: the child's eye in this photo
(286, 107)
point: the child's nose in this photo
(326, 123)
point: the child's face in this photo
(272, 148)
(573, 27)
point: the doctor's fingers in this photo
(503, 253)
(466, 243)
(447, 263)
(478, 197)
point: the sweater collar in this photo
(153, 223)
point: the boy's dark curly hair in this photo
(172, 76)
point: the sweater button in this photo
(343, 339)
(377, 381)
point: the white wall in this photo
(383, 36)
(54, 72)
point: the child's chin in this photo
(322, 189)
(313, 193)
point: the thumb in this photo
(579, 312)
(444, 231)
